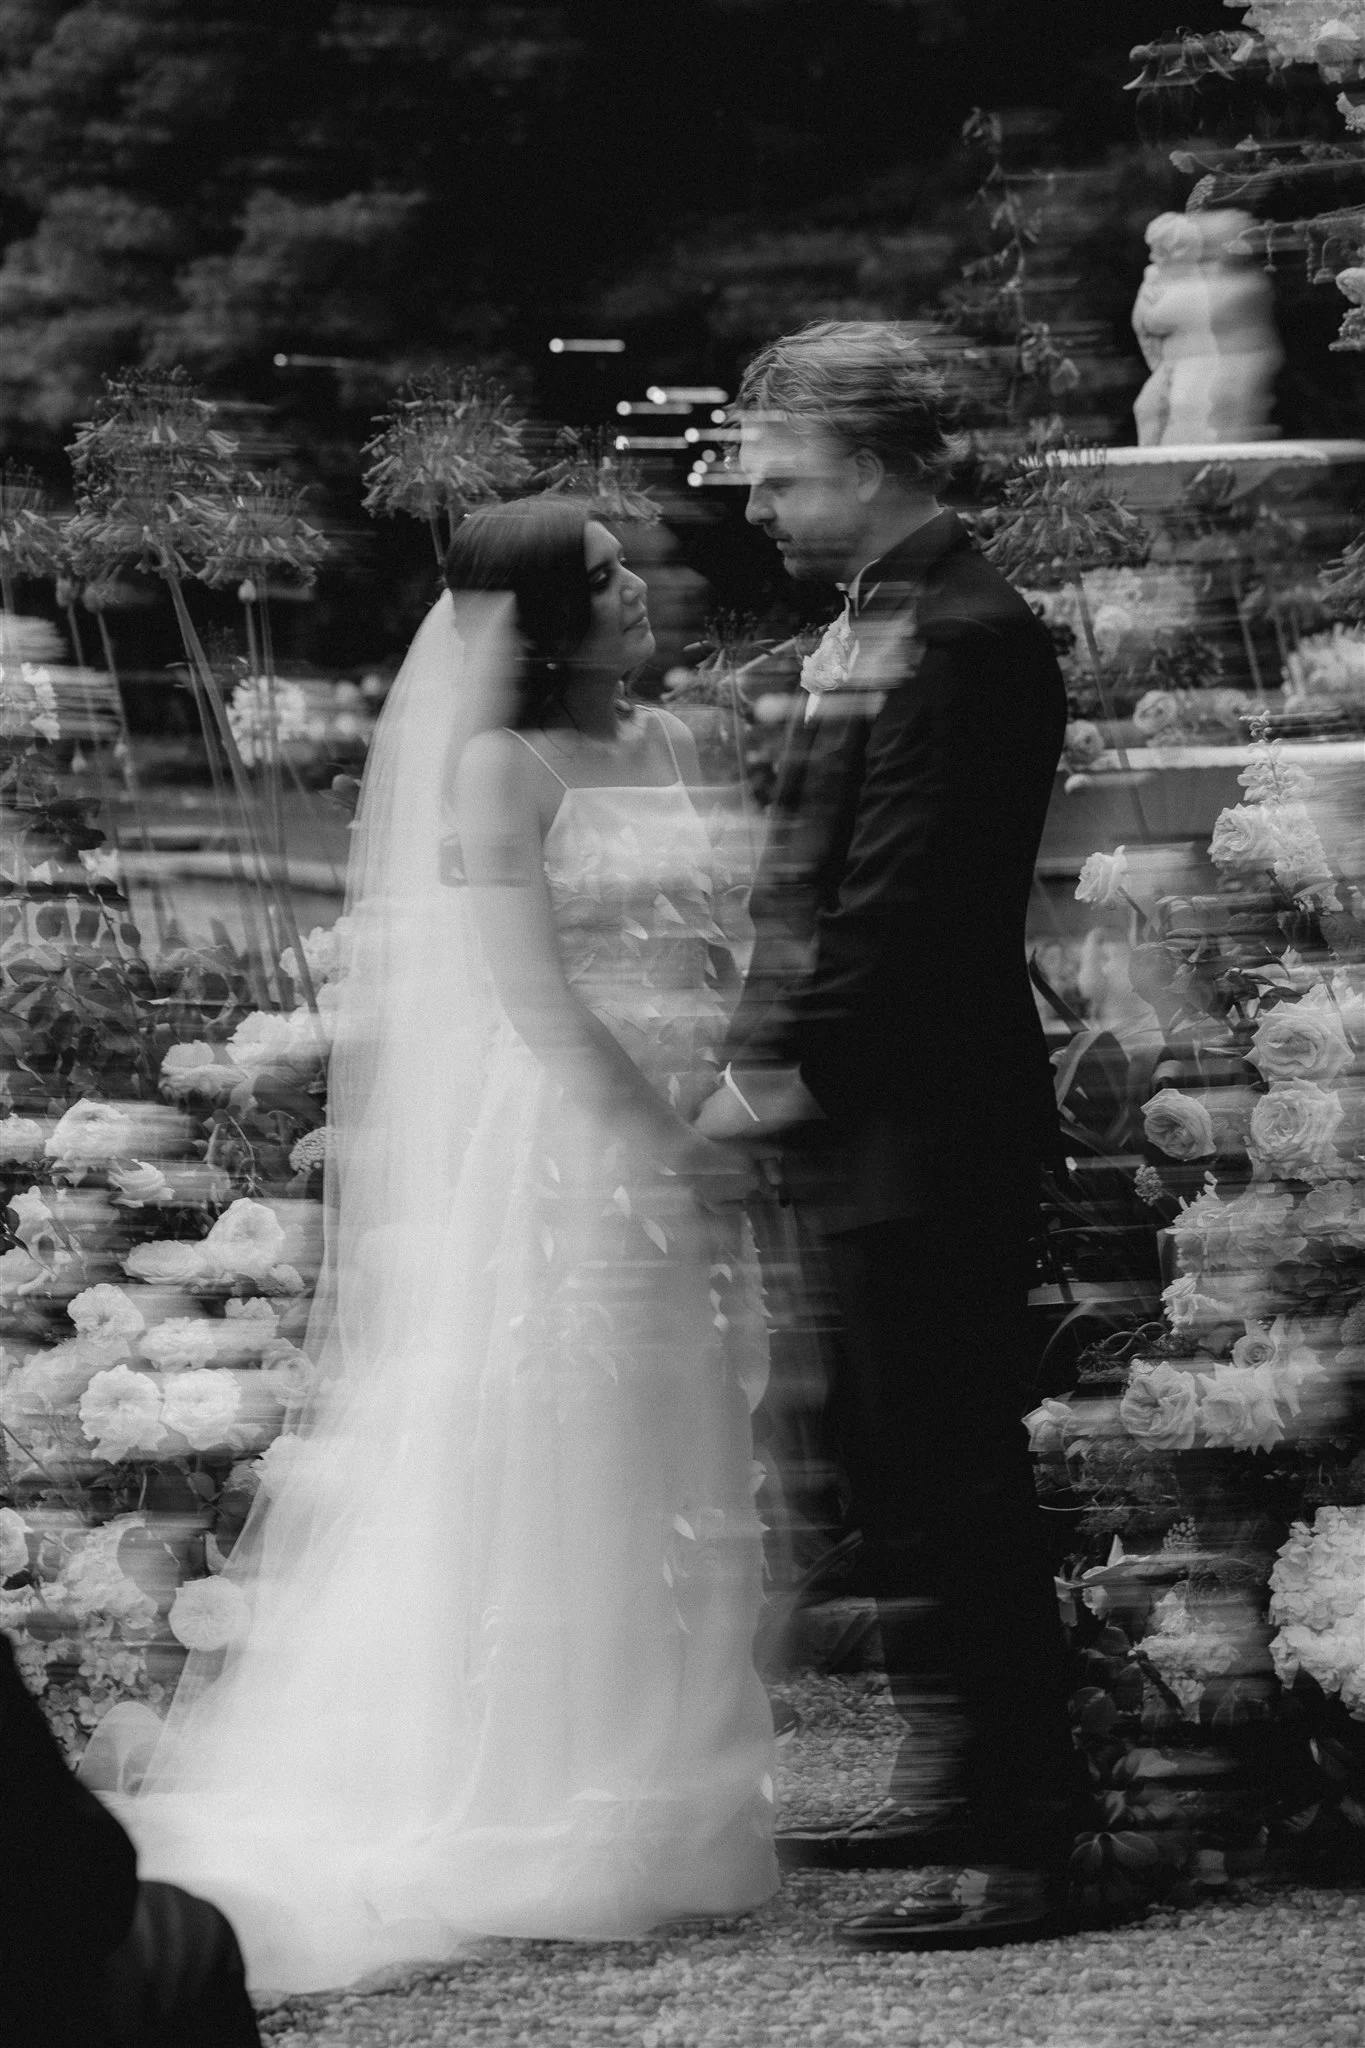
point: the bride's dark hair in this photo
(534, 547)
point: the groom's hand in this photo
(756, 1105)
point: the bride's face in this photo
(619, 637)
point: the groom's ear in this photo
(869, 472)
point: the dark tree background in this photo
(388, 186)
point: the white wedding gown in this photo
(498, 1676)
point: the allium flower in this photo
(1103, 877)
(106, 1312)
(265, 714)
(1292, 1128)
(168, 1262)
(1238, 1411)
(28, 702)
(1160, 1406)
(140, 1186)
(181, 1341)
(310, 1151)
(202, 1406)
(247, 1239)
(1179, 1125)
(89, 1134)
(120, 1412)
(209, 1614)
(21, 1140)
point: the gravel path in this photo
(1281, 1964)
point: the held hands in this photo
(757, 1105)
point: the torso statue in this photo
(1203, 320)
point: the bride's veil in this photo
(412, 1028)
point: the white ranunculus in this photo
(247, 1239)
(1179, 1125)
(181, 1341)
(1238, 1410)
(168, 1262)
(22, 1140)
(120, 1412)
(1244, 838)
(140, 1186)
(1301, 1041)
(1103, 877)
(209, 1614)
(106, 1312)
(1292, 1128)
(202, 1406)
(1160, 1406)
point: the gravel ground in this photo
(1281, 1964)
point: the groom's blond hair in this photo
(866, 382)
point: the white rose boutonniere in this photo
(831, 666)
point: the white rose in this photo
(1243, 838)
(167, 1262)
(1188, 1309)
(326, 953)
(202, 1406)
(1279, 1348)
(1259, 1232)
(1157, 712)
(1178, 1125)
(209, 1614)
(13, 1543)
(1335, 1210)
(36, 1228)
(120, 1412)
(106, 1312)
(20, 1273)
(57, 1376)
(1103, 877)
(93, 1582)
(281, 1463)
(287, 1373)
(1238, 1411)
(21, 1139)
(287, 1039)
(246, 1239)
(197, 1068)
(89, 1133)
(140, 1186)
(1113, 624)
(1048, 1426)
(181, 1341)
(1160, 1406)
(1300, 1041)
(1083, 744)
(247, 1327)
(1300, 858)
(1292, 1127)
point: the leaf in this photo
(654, 1233)
(547, 1241)
(684, 1528)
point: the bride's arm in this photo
(498, 823)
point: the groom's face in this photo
(809, 495)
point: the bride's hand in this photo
(718, 1175)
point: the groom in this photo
(887, 1037)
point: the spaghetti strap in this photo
(668, 741)
(539, 756)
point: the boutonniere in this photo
(831, 666)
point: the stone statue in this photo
(1204, 322)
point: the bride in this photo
(504, 1577)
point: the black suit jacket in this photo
(890, 901)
